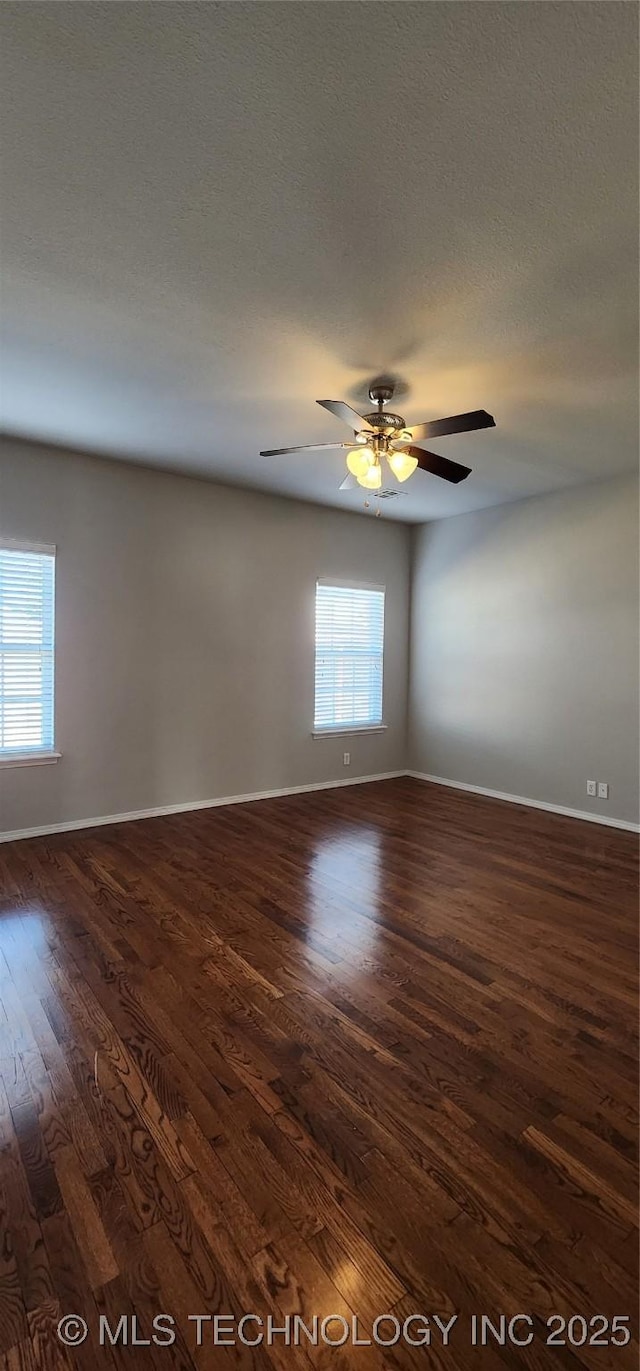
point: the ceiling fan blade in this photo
(349, 483)
(306, 447)
(344, 412)
(458, 423)
(438, 466)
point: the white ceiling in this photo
(216, 213)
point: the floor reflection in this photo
(343, 886)
(25, 936)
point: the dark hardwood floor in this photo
(359, 1051)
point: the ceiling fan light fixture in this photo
(359, 460)
(402, 465)
(386, 435)
(372, 479)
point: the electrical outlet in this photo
(346, 759)
(603, 790)
(592, 788)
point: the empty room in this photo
(319, 794)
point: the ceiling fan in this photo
(383, 434)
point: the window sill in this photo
(29, 759)
(348, 732)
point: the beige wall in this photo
(185, 636)
(524, 649)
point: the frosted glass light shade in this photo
(402, 465)
(359, 460)
(372, 479)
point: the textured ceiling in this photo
(215, 213)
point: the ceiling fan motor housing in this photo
(384, 420)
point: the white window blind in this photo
(349, 656)
(26, 649)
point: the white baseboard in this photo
(72, 824)
(533, 804)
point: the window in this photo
(349, 656)
(26, 651)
